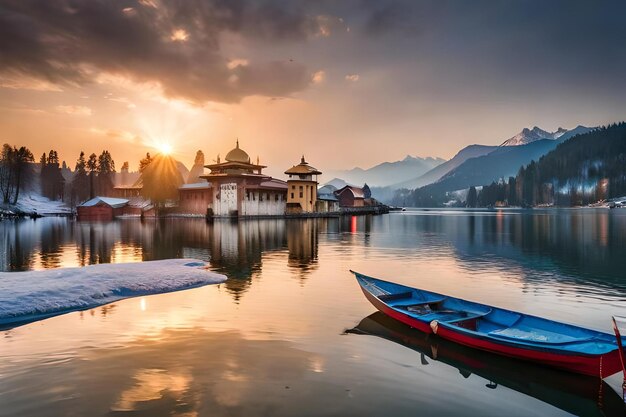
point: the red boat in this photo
(497, 330)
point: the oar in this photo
(622, 354)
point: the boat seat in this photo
(470, 316)
(396, 296)
(536, 336)
(414, 307)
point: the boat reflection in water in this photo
(577, 394)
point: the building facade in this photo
(195, 198)
(327, 201)
(350, 196)
(302, 188)
(238, 187)
(105, 209)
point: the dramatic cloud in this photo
(173, 43)
(398, 77)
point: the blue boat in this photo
(498, 330)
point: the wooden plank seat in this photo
(470, 316)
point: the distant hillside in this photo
(501, 163)
(388, 173)
(338, 183)
(585, 169)
(439, 171)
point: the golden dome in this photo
(238, 155)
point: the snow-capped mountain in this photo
(527, 136)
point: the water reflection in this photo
(268, 341)
(179, 373)
(579, 244)
(236, 249)
(576, 394)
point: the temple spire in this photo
(237, 143)
(302, 161)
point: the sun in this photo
(165, 148)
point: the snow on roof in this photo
(327, 197)
(34, 295)
(109, 201)
(195, 185)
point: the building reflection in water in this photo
(587, 243)
(235, 248)
(302, 243)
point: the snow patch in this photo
(527, 136)
(34, 295)
(41, 205)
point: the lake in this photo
(290, 332)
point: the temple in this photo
(235, 187)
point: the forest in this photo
(92, 175)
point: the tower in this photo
(302, 187)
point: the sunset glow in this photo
(244, 207)
(285, 83)
(165, 148)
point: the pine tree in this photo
(472, 197)
(52, 181)
(92, 168)
(106, 170)
(22, 158)
(143, 163)
(80, 183)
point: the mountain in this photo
(527, 136)
(501, 163)
(388, 173)
(504, 162)
(338, 183)
(585, 169)
(474, 151)
(440, 170)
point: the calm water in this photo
(290, 333)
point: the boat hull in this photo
(594, 365)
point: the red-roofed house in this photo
(350, 196)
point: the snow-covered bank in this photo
(34, 295)
(35, 204)
(41, 205)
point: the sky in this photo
(346, 83)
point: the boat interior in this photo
(493, 322)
